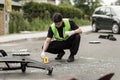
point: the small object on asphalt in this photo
(21, 52)
(107, 77)
(45, 60)
(103, 36)
(109, 36)
(94, 42)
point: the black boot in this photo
(59, 56)
(71, 58)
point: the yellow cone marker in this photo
(45, 60)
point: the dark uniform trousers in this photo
(72, 43)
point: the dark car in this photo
(106, 18)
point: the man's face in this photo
(58, 24)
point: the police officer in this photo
(66, 35)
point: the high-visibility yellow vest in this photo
(67, 27)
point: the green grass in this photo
(81, 22)
(45, 23)
(38, 24)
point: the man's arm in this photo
(45, 46)
(74, 29)
(48, 39)
(77, 31)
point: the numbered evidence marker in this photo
(45, 60)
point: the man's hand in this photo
(42, 54)
(69, 33)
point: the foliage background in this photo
(38, 16)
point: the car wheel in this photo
(94, 27)
(115, 28)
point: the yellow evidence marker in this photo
(45, 60)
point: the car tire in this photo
(115, 28)
(94, 28)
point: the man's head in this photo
(57, 18)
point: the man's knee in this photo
(78, 37)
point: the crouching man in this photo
(66, 34)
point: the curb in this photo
(34, 35)
(22, 36)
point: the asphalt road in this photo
(92, 60)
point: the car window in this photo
(100, 11)
(103, 11)
(107, 11)
(97, 11)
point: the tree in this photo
(87, 6)
(117, 2)
(82, 4)
(65, 3)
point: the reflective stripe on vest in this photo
(65, 28)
